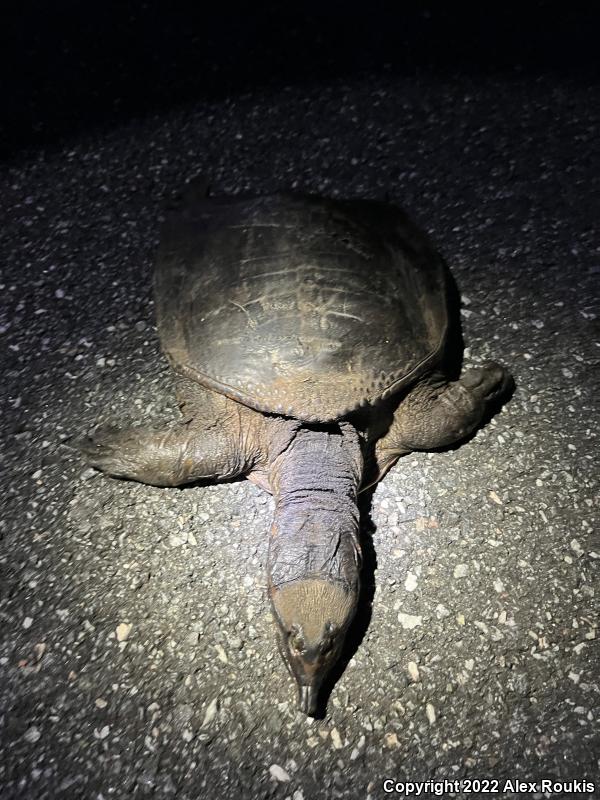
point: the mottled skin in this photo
(315, 471)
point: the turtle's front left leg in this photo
(218, 439)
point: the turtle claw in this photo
(103, 449)
(487, 382)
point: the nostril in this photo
(307, 699)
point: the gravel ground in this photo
(137, 655)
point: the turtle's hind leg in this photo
(214, 442)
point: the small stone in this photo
(461, 570)
(430, 711)
(27, 622)
(102, 733)
(460, 618)
(100, 702)
(298, 795)
(413, 671)
(39, 649)
(409, 621)
(211, 712)
(32, 734)
(410, 584)
(336, 739)
(279, 773)
(123, 630)
(391, 740)
(422, 523)
(576, 547)
(441, 611)
(498, 585)
(221, 654)
(495, 498)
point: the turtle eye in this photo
(296, 641)
(326, 646)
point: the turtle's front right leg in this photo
(170, 456)
(437, 415)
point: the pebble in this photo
(461, 570)
(32, 734)
(576, 547)
(430, 711)
(221, 654)
(100, 702)
(391, 740)
(27, 622)
(410, 584)
(413, 670)
(498, 585)
(211, 712)
(336, 739)
(123, 630)
(279, 773)
(409, 621)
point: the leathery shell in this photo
(299, 305)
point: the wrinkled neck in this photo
(315, 528)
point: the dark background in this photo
(483, 124)
(69, 66)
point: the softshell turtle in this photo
(310, 337)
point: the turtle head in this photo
(313, 617)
